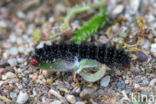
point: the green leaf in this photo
(62, 65)
(89, 63)
(93, 77)
(58, 65)
(123, 35)
(36, 34)
(73, 11)
(86, 63)
(92, 26)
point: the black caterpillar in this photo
(104, 53)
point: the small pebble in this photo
(10, 75)
(3, 63)
(2, 71)
(13, 38)
(145, 44)
(21, 49)
(117, 10)
(105, 81)
(59, 8)
(145, 81)
(56, 94)
(134, 5)
(20, 14)
(56, 102)
(13, 95)
(40, 45)
(22, 97)
(153, 49)
(4, 77)
(103, 39)
(20, 60)
(19, 70)
(136, 86)
(19, 41)
(34, 76)
(155, 40)
(126, 81)
(71, 99)
(86, 92)
(13, 51)
(12, 62)
(153, 82)
(76, 89)
(121, 85)
(79, 102)
(142, 57)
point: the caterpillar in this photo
(104, 54)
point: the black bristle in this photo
(104, 53)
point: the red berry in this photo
(34, 62)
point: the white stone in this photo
(20, 41)
(103, 39)
(134, 5)
(145, 44)
(155, 40)
(12, 62)
(13, 95)
(71, 99)
(20, 60)
(3, 24)
(56, 102)
(153, 82)
(13, 51)
(13, 38)
(117, 10)
(20, 14)
(21, 49)
(4, 77)
(79, 102)
(22, 97)
(10, 75)
(153, 47)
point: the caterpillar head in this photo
(34, 62)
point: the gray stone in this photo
(13, 95)
(86, 92)
(105, 81)
(20, 60)
(121, 85)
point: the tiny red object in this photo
(2, 71)
(34, 62)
